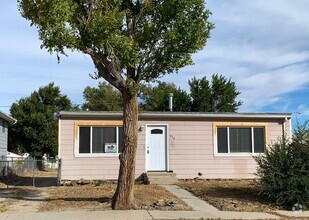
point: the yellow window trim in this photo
(239, 124)
(94, 123)
(236, 124)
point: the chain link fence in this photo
(29, 172)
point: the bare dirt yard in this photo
(86, 197)
(230, 195)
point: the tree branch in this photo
(89, 11)
(106, 69)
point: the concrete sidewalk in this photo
(80, 215)
(202, 210)
(129, 215)
(137, 215)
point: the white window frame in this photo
(91, 125)
(238, 125)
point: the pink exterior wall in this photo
(190, 147)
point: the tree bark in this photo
(123, 198)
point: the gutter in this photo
(8, 118)
(177, 115)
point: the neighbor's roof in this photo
(7, 117)
(178, 115)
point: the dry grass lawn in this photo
(98, 198)
(86, 197)
(230, 195)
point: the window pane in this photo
(240, 140)
(120, 139)
(84, 139)
(156, 131)
(104, 140)
(259, 140)
(222, 140)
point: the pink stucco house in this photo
(216, 145)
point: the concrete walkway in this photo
(202, 210)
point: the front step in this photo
(160, 178)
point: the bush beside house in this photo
(284, 170)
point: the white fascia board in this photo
(7, 118)
(179, 115)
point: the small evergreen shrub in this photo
(284, 170)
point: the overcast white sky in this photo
(262, 45)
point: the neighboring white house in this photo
(5, 121)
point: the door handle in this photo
(147, 151)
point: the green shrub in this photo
(284, 170)
(19, 163)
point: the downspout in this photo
(59, 137)
(287, 135)
(291, 135)
(57, 117)
(284, 128)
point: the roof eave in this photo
(175, 115)
(239, 115)
(8, 118)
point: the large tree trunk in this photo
(123, 197)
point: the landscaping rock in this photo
(85, 182)
(106, 203)
(234, 203)
(68, 183)
(178, 206)
(160, 202)
(171, 203)
(80, 181)
(154, 205)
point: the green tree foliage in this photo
(156, 98)
(102, 98)
(216, 96)
(151, 38)
(36, 130)
(284, 170)
(129, 42)
(200, 93)
(219, 95)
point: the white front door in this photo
(156, 148)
